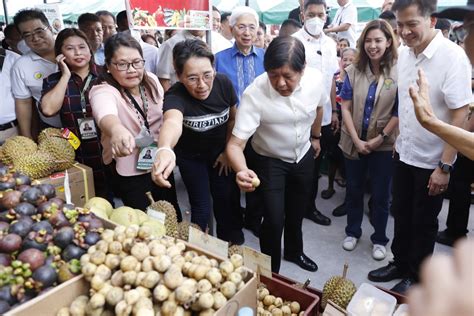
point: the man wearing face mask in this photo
(321, 54)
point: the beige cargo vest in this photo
(382, 112)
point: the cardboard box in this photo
(81, 183)
(61, 296)
(287, 292)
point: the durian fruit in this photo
(236, 249)
(171, 220)
(36, 165)
(339, 290)
(16, 147)
(49, 132)
(183, 229)
(61, 150)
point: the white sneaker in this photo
(379, 252)
(349, 243)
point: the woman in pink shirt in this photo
(127, 107)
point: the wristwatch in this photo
(316, 137)
(384, 135)
(446, 168)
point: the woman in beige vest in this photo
(369, 113)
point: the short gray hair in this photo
(240, 11)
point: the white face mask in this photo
(314, 26)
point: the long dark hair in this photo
(112, 44)
(67, 33)
(390, 55)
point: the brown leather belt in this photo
(8, 125)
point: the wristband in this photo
(166, 149)
(316, 137)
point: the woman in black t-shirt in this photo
(198, 119)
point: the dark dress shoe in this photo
(327, 194)
(340, 210)
(445, 238)
(403, 286)
(303, 261)
(385, 274)
(317, 217)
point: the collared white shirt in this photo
(449, 75)
(321, 54)
(219, 42)
(165, 68)
(27, 81)
(7, 108)
(281, 126)
(347, 14)
(99, 57)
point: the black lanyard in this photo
(143, 112)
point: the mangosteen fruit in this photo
(10, 243)
(72, 252)
(4, 307)
(5, 259)
(35, 240)
(7, 184)
(6, 295)
(46, 276)
(22, 188)
(33, 195)
(25, 208)
(64, 237)
(21, 179)
(92, 238)
(47, 190)
(22, 226)
(44, 207)
(4, 226)
(10, 199)
(58, 219)
(59, 202)
(43, 225)
(3, 170)
(34, 257)
(69, 270)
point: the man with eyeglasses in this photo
(30, 70)
(242, 63)
(91, 26)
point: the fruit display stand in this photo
(62, 296)
(81, 183)
(279, 286)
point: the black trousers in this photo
(326, 140)
(132, 189)
(460, 197)
(284, 188)
(416, 216)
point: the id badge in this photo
(87, 128)
(143, 139)
(146, 157)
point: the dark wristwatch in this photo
(316, 137)
(446, 168)
(384, 135)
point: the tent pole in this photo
(246, 3)
(5, 11)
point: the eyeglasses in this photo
(40, 32)
(242, 28)
(194, 80)
(137, 64)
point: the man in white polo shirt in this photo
(30, 70)
(321, 54)
(8, 122)
(422, 160)
(345, 22)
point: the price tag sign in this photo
(255, 261)
(208, 242)
(160, 216)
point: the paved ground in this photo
(323, 243)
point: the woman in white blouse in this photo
(282, 110)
